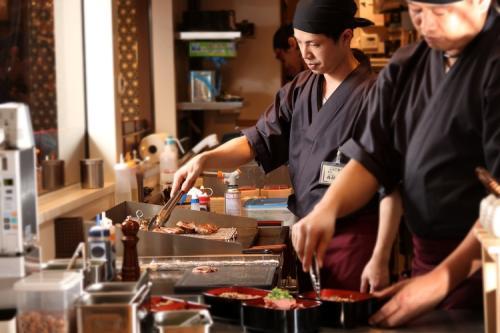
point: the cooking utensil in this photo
(314, 273)
(81, 248)
(159, 219)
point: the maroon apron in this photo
(349, 251)
(427, 254)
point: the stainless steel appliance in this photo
(19, 254)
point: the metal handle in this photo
(314, 273)
(159, 219)
(79, 248)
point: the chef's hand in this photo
(375, 275)
(186, 176)
(410, 298)
(311, 235)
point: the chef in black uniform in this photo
(309, 119)
(287, 52)
(433, 117)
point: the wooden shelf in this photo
(188, 106)
(208, 35)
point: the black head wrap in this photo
(324, 16)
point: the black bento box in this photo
(344, 308)
(229, 308)
(257, 317)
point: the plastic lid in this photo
(49, 281)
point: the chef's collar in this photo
(324, 16)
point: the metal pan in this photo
(255, 316)
(229, 308)
(350, 309)
(186, 321)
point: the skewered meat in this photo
(188, 227)
(204, 269)
(206, 228)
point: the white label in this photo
(329, 171)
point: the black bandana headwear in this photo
(323, 16)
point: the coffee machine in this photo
(19, 253)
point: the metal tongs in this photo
(81, 248)
(159, 219)
(315, 277)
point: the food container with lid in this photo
(344, 308)
(45, 301)
(256, 315)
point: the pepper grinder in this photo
(130, 268)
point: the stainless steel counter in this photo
(433, 322)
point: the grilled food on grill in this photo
(205, 228)
(184, 227)
(188, 227)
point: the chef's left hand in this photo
(410, 298)
(375, 275)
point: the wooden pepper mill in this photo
(130, 267)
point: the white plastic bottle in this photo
(123, 190)
(195, 202)
(169, 161)
(132, 165)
